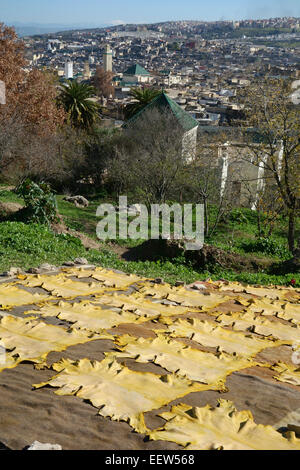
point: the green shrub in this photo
(267, 246)
(40, 202)
(243, 216)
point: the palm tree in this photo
(143, 97)
(76, 100)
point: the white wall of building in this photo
(69, 70)
(189, 144)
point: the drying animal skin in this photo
(208, 334)
(119, 393)
(220, 428)
(60, 286)
(186, 298)
(278, 293)
(106, 277)
(87, 315)
(137, 304)
(265, 307)
(288, 333)
(174, 356)
(32, 340)
(287, 373)
(12, 296)
(290, 312)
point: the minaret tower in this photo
(86, 71)
(107, 59)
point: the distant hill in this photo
(208, 29)
(31, 29)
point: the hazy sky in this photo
(141, 11)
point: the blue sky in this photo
(96, 12)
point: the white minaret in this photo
(69, 70)
(107, 59)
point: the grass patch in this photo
(29, 245)
(82, 220)
(10, 196)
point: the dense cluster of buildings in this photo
(199, 71)
(202, 75)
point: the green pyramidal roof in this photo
(163, 102)
(136, 70)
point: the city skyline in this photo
(94, 13)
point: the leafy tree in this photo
(76, 99)
(174, 46)
(142, 98)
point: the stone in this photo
(179, 283)
(79, 201)
(69, 263)
(34, 271)
(158, 280)
(82, 261)
(48, 267)
(13, 272)
(40, 446)
(9, 208)
(197, 286)
(44, 267)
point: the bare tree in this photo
(102, 81)
(151, 156)
(276, 150)
(12, 139)
(50, 157)
(205, 183)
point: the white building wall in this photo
(224, 156)
(69, 70)
(189, 144)
(260, 180)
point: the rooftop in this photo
(163, 102)
(136, 70)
